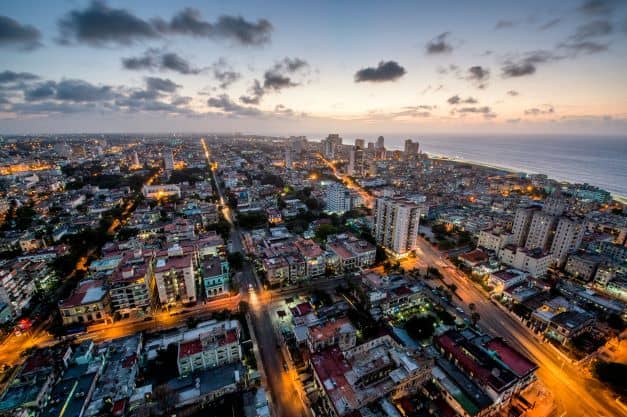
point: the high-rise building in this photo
(371, 146)
(380, 142)
(396, 224)
(328, 149)
(360, 143)
(540, 230)
(135, 159)
(522, 221)
(168, 160)
(372, 168)
(568, 236)
(335, 139)
(554, 204)
(351, 161)
(339, 199)
(288, 158)
(412, 149)
(174, 276)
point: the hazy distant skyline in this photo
(397, 67)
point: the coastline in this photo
(617, 197)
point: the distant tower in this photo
(380, 142)
(135, 159)
(288, 158)
(568, 236)
(351, 161)
(360, 143)
(168, 160)
(372, 169)
(411, 149)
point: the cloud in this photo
(235, 28)
(384, 71)
(478, 75)
(484, 109)
(224, 103)
(224, 73)
(504, 24)
(16, 35)
(420, 111)
(50, 107)
(550, 24)
(439, 44)
(255, 92)
(8, 77)
(513, 120)
(585, 40)
(597, 7)
(81, 91)
(161, 84)
(155, 59)
(100, 25)
(527, 65)
(454, 100)
(40, 91)
(513, 93)
(535, 111)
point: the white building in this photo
(161, 191)
(534, 261)
(174, 275)
(493, 240)
(339, 199)
(540, 230)
(522, 221)
(396, 224)
(351, 161)
(168, 160)
(567, 239)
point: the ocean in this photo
(598, 160)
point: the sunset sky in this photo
(302, 67)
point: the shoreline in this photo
(512, 170)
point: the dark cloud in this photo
(155, 59)
(276, 81)
(181, 101)
(545, 109)
(50, 107)
(527, 65)
(81, 91)
(100, 25)
(224, 73)
(504, 24)
(454, 100)
(586, 40)
(189, 22)
(439, 44)
(598, 7)
(16, 35)
(478, 75)
(513, 93)
(224, 103)
(384, 71)
(255, 92)
(484, 109)
(8, 77)
(69, 90)
(161, 84)
(550, 24)
(40, 91)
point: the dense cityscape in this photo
(242, 275)
(313, 208)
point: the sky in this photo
(302, 67)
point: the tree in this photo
(325, 230)
(613, 374)
(420, 327)
(166, 398)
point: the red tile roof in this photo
(190, 348)
(514, 360)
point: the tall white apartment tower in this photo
(568, 236)
(540, 230)
(522, 221)
(168, 160)
(135, 159)
(396, 224)
(351, 161)
(288, 158)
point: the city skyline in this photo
(398, 69)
